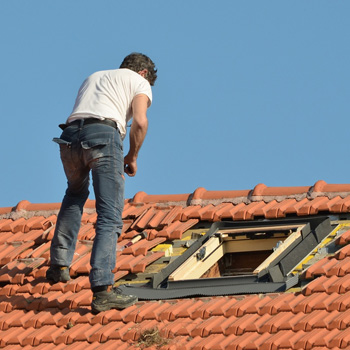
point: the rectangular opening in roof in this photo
(290, 241)
(237, 252)
(237, 264)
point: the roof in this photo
(37, 315)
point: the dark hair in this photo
(137, 62)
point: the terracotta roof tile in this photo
(342, 205)
(272, 324)
(248, 212)
(308, 321)
(240, 324)
(297, 207)
(320, 268)
(278, 210)
(34, 313)
(209, 326)
(344, 238)
(158, 218)
(341, 303)
(176, 229)
(176, 309)
(11, 320)
(338, 338)
(241, 306)
(214, 213)
(145, 261)
(229, 212)
(342, 285)
(343, 253)
(275, 305)
(340, 320)
(322, 284)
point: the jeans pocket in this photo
(65, 150)
(96, 148)
(62, 142)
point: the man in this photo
(92, 140)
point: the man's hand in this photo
(130, 165)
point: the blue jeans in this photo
(97, 148)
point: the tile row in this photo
(318, 319)
(18, 271)
(329, 285)
(260, 192)
(193, 309)
(109, 345)
(331, 266)
(273, 209)
(208, 335)
(147, 216)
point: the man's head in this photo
(139, 62)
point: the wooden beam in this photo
(260, 229)
(250, 245)
(194, 268)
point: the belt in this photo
(86, 121)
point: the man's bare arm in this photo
(138, 132)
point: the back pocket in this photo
(61, 142)
(96, 148)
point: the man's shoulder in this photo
(122, 76)
(126, 72)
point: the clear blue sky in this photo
(248, 91)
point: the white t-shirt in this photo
(108, 95)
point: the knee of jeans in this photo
(104, 228)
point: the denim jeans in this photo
(97, 148)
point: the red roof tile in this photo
(35, 314)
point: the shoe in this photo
(58, 274)
(113, 299)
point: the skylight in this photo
(238, 258)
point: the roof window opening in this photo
(238, 252)
(229, 258)
(236, 264)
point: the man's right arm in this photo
(138, 132)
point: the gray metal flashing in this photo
(249, 287)
(312, 235)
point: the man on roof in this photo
(92, 140)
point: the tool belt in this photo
(86, 121)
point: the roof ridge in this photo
(260, 192)
(200, 196)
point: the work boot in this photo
(111, 298)
(58, 274)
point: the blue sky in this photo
(248, 91)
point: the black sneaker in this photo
(58, 274)
(114, 299)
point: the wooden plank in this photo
(250, 245)
(280, 236)
(260, 229)
(194, 268)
